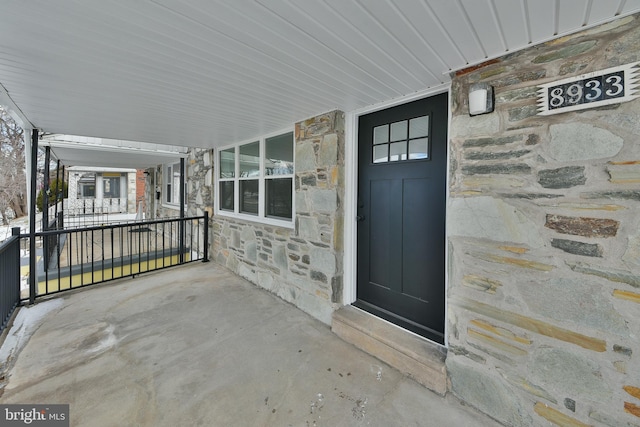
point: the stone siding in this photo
(199, 196)
(301, 265)
(544, 239)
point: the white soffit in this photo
(89, 151)
(205, 73)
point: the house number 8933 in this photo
(588, 90)
(607, 87)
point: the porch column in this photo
(182, 210)
(62, 192)
(33, 171)
(57, 185)
(45, 189)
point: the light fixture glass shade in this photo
(480, 99)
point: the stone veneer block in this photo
(633, 391)
(626, 295)
(407, 352)
(632, 409)
(533, 325)
(578, 248)
(580, 226)
(565, 177)
(556, 417)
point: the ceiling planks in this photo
(212, 72)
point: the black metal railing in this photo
(85, 256)
(50, 243)
(9, 276)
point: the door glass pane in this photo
(249, 196)
(419, 127)
(250, 160)
(279, 155)
(111, 187)
(278, 197)
(226, 195)
(419, 149)
(399, 130)
(228, 163)
(398, 151)
(380, 153)
(381, 134)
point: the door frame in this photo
(351, 191)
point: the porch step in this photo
(410, 354)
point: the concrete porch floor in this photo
(197, 345)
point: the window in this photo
(171, 182)
(403, 140)
(255, 180)
(111, 187)
(87, 186)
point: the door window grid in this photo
(401, 140)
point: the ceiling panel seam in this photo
(318, 80)
(415, 31)
(325, 45)
(400, 44)
(465, 15)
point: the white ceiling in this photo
(89, 151)
(211, 72)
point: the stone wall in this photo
(199, 196)
(140, 190)
(303, 265)
(544, 235)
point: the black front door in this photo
(402, 174)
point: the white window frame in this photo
(262, 178)
(164, 192)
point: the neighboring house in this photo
(100, 190)
(510, 239)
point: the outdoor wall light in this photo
(480, 99)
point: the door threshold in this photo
(411, 354)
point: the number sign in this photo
(610, 86)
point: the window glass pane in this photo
(88, 190)
(250, 160)
(381, 134)
(278, 197)
(419, 148)
(380, 153)
(166, 177)
(175, 197)
(419, 127)
(226, 195)
(249, 196)
(398, 151)
(399, 130)
(110, 187)
(279, 155)
(228, 163)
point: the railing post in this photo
(15, 231)
(205, 257)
